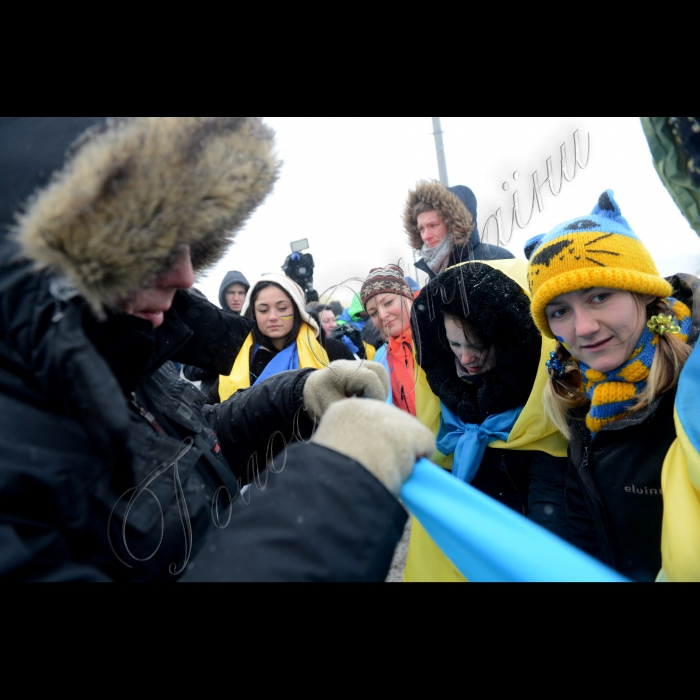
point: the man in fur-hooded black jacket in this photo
(111, 467)
(456, 207)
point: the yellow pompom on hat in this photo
(599, 250)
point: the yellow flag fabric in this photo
(680, 481)
(532, 433)
(311, 356)
(370, 351)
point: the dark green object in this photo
(675, 162)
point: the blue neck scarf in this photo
(284, 361)
(468, 442)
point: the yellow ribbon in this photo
(680, 481)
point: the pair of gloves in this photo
(384, 440)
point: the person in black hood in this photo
(232, 296)
(233, 292)
(441, 224)
(111, 466)
(482, 357)
(481, 351)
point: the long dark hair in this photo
(315, 313)
(258, 337)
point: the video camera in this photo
(299, 267)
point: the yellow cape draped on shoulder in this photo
(680, 481)
(532, 433)
(311, 356)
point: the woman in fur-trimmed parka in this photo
(111, 467)
(441, 224)
(480, 391)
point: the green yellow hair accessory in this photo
(664, 324)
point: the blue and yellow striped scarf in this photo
(613, 395)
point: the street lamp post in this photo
(440, 145)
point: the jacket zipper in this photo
(586, 446)
(600, 523)
(504, 469)
(148, 416)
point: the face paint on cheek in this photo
(562, 341)
(287, 318)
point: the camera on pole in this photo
(299, 267)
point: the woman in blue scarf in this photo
(480, 350)
(284, 338)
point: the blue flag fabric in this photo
(285, 361)
(488, 542)
(382, 358)
(350, 345)
(468, 441)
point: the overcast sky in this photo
(345, 181)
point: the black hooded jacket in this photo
(497, 306)
(195, 374)
(231, 278)
(111, 467)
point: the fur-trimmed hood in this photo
(135, 190)
(457, 207)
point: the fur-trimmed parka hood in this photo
(456, 206)
(135, 190)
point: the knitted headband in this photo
(385, 280)
(599, 250)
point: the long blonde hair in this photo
(564, 394)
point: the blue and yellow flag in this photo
(680, 480)
(674, 146)
(311, 356)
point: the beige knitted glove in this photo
(342, 380)
(384, 440)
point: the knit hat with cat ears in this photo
(599, 250)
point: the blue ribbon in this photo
(468, 441)
(687, 398)
(350, 345)
(382, 358)
(284, 361)
(490, 543)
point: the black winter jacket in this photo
(608, 500)
(111, 466)
(511, 478)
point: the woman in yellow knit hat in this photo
(624, 335)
